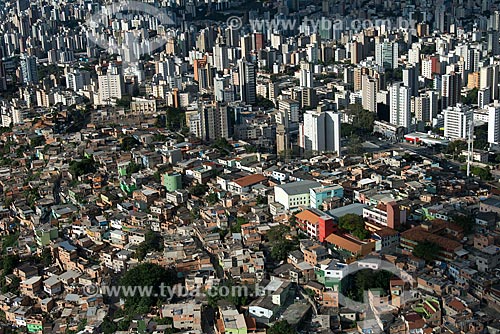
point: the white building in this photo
(457, 121)
(320, 132)
(111, 86)
(494, 123)
(74, 80)
(489, 78)
(400, 107)
(295, 194)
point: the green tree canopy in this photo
(355, 285)
(427, 250)
(129, 143)
(82, 167)
(147, 275)
(281, 246)
(282, 327)
(355, 225)
(153, 242)
(465, 221)
(198, 190)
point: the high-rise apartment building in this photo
(494, 123)
(111, 85)
(457, 120)
(29, 69)
(451, 87)
(320, 132)
(387, 54)
(400, 107)
(247, 81)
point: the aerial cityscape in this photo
(250, 166)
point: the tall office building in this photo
(421, 107)
(111, 85)
(290, 110)
(320, 132)
(166, 68)
(246, 46)
(387, 54)
(494, 123)
(247, 81)
(451, 87)
(483, 97)
(472, 60)
(306, 75)
(29, 69)
(369, 93)
(457, 120)
(211, 122)
(356, 50)
(489, 78)
(3, 76)
(221, 60)
(493, 42)
(400, 107)
(410, 79)
(74, 80)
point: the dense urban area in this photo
(238, 167)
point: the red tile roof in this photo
(250, 180)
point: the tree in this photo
(212, 198)
(282, 248)
(355, 285)
(152, 242)
(129, 143)
(261, 200)
(465, 221)
(46, 257)
(471, 97)
(133, 168)
(483, 173)
(362, 122)
(263, 103)
(281, 327)
(124, 102)
(355, 146)
(281, 245)
(173, 119)
(222, 145)
(456, 147)
(250, 149)
(238, 299)
(8, 263)
(427, 250)
(277, 232)
(355, 225)
(82, 167)
(236, 228)
(108, 326)
(198, 190)
(37, 141)
(150, 276)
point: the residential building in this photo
(320, 132)
(457, 121)
(295, 194)
(315, 223)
